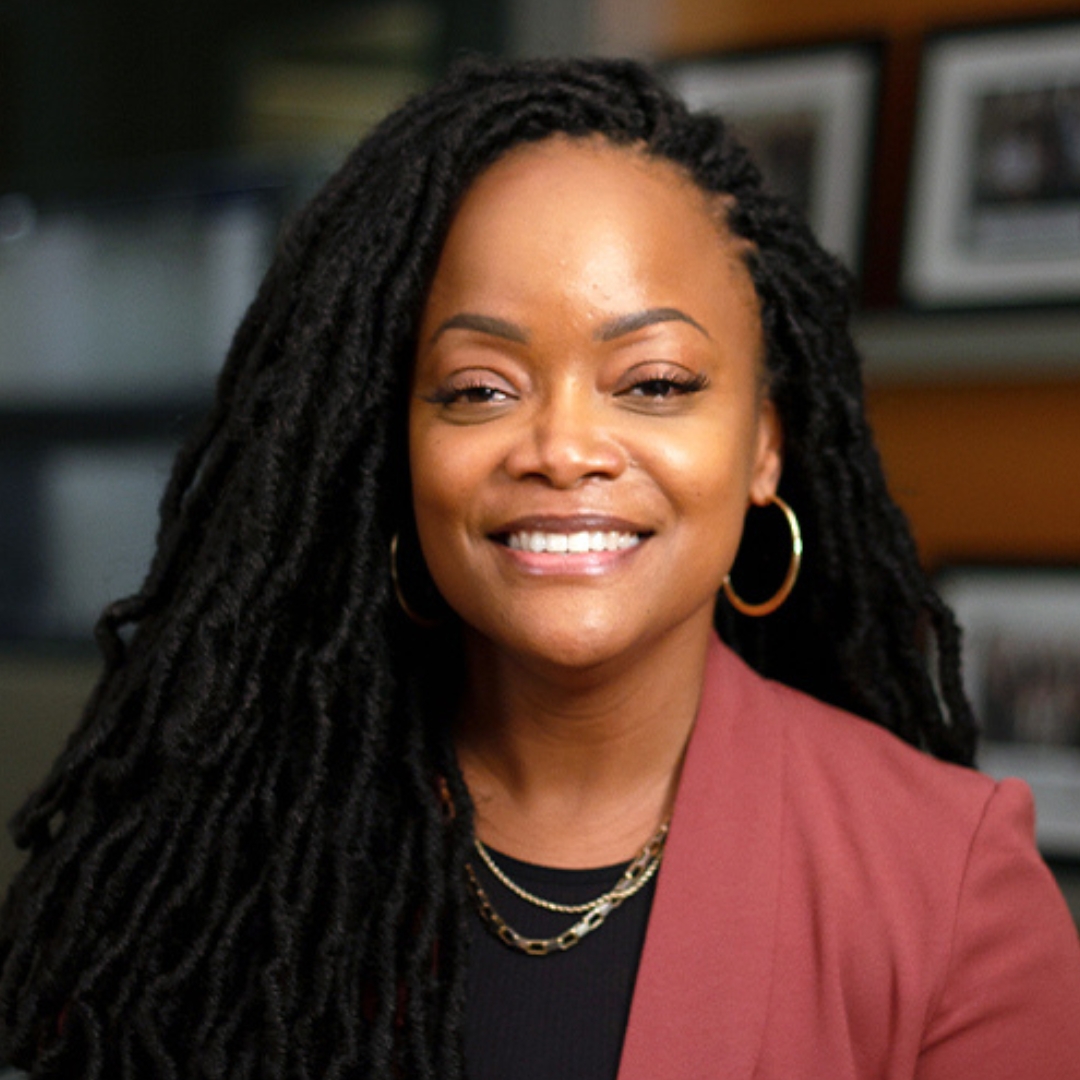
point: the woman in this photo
(432, 640)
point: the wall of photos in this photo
(969, 263)
(984, 455)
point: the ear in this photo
(769, 458)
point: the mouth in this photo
(570, 543)
(582, 534)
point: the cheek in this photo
(711, 473)
(446, 483)
(709, 482)
(427, 479)
(435, 487)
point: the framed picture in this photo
(994, 211)
(1021, 655)
(808, 118)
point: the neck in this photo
(577, 768)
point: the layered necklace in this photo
(638, 873)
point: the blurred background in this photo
(149, 153)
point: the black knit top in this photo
(555, 1017)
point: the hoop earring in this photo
(781, 594)
(412, 613)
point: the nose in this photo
(567, 437)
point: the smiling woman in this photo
(583, 372)
(528, 371)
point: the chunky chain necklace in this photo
(635, 877)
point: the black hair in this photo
(248, 860)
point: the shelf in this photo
(928, 347)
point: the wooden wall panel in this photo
(985, 471)
(695, 25)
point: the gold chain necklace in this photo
(635, 877)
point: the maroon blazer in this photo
(836, 905)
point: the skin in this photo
(589, 361)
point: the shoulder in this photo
(882, 910)
(881, 830)
(836, 761)
(909, 912)
(919, 885)
(862, 797)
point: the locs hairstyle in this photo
(241, 865)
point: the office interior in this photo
(149, 154)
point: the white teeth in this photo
(572, 543)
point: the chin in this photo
(578, 652)
(571, 644)
(578, 644)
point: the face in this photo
(588, 422)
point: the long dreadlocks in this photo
(241, 865)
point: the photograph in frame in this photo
(994, 211)
(1021, 657)
(808, 117)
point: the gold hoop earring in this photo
(781, 594)
(410, 611)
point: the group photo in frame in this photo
(1021, 657)
(994, 199)
(808, 116)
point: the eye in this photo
(664, 386)
(465, 391)
(472, 395)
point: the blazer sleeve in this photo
(1009, 1006)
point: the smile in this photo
(574, 543)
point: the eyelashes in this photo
(666, 386)
(481, 391)
(472, 394)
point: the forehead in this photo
(597, 222)
(591, 179)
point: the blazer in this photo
(837, 905)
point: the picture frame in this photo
(1021, 659)
(994, 200)
(808, 116)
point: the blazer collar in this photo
(702, 989)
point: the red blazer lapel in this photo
(703, 984)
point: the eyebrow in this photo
(618, 327)
(484, 324)
(638, 320)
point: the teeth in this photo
(572, 543)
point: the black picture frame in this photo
(809, 116)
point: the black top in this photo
(555, 1017)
